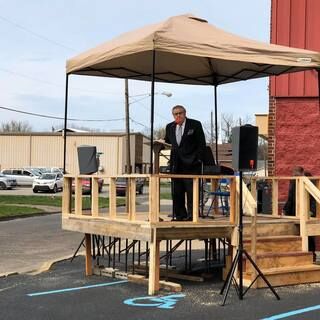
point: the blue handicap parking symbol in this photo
(161, 302)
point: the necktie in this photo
(179, 134)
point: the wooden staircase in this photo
(279, 255)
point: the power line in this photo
(52, 83)
(58, 118)
(36, 34)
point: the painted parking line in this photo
(76, 288)
(293, 313)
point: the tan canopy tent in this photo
(191, 51)
(188, 50)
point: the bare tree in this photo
(15, 126)
(159, 133)
(228, 122)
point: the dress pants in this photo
(181, 188)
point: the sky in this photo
(37, 37)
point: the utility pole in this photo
(127, 117)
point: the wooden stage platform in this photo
(276, 243)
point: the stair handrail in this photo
(305, 187)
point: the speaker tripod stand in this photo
(238, 261)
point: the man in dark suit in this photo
(188, 144)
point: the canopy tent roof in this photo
(189, 50)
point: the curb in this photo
(46, 266)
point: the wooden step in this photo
(275, 244)
(273, 228)
(279, 260)
(287, 276)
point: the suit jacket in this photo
(187, 157)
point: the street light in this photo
(127, 118)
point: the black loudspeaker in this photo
(87, 158)
(244, 147)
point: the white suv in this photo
(6, 182)
(24, 177)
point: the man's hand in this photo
(160, 141)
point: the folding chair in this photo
(220, 197)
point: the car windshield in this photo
(48, 176)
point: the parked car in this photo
(121, 186)
(48, 182)
(7, 182)
(24, 177)
(86, 185)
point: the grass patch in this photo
(53, 201)
(32, 200)
(7, 211)
(166, 195)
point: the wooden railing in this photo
(73, 184)
(309, 226)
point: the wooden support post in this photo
(214, 187)
(254, 246)
(298, 197)
(233, 196)
(195, 209)
(154, 265)
(154, 206)
(318, 204)
(88, 254)
(254, 189)
(112, 199)
(66, 198)
(132, 199)
(275, 197)
(94, 197)
(78, 196)
(304, 214)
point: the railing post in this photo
(132, 199)
(303, 196)
(78, 196)
(154, 198)
(195, 209)
(254, 245)
(112, 199)
(318, 204)
(254, 188)
(94, 197)
(233, 200)
(66, 197)
(298, 196)
(275, 196)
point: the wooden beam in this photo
(302, 198)
(275, 197)
(66, 196)
(233, 196)
(154, 265)
(94, 197)
(88, 254)
(78, 196)
(195, 208)
(132, 199)
(112, 198)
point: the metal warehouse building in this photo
(35, 149)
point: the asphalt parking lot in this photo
(65, 293)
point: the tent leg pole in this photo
(216, 121)
(152, 110)
(65, 126)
